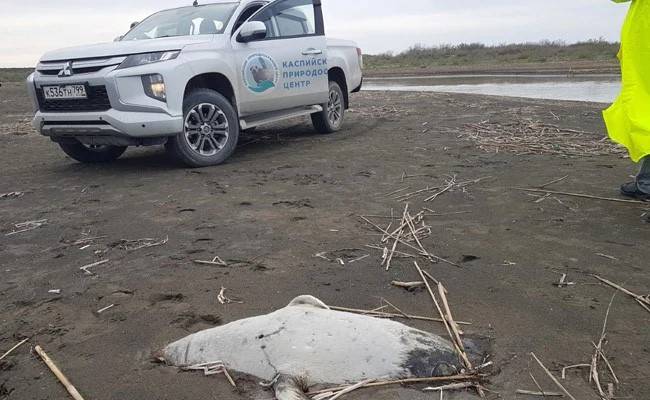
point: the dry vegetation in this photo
(464, 54)
(14, 74)
(527, 137)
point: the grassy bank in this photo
(14, 74)
(592, 56)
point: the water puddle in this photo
(590, 88)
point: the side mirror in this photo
(252, 30)
(134, 24)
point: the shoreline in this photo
(395, 70)
(561, 68)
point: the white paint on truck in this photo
(192, 77)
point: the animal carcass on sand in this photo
(307, 341)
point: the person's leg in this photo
(640, 187)
(643, 178)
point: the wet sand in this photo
(288, 194)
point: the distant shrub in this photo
(479, 53)
(14, 74)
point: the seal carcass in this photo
(307, 341)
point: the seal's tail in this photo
(289, 388)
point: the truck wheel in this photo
(330, 119)
(92, 154)
(210, 130)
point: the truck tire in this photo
(210, 130)
(92, 154)
(330, 119)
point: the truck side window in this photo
(289, 18)
(245, 15)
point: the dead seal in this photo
(308, 342)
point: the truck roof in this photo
(207, 3)
(211, 2)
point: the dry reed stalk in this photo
(410, 195)
(450, 184)
(414, 232)
(582, 195)
(405, 315)
(351, 388)
(86, 268)
(454, 328)
(426, 254)
(11, 350)
(553, 378)
(407, 285)
(528, 137)
(594, 375)
(382, 314)
(399, 232)
(215, 261)
(435, 302)
(138, 244)
(539, 387)
(643, 301)
(572, 367)
(212, 368)
(403, 224)
(101, 310)
(541, 394)
(450, 324)
(223, 299)
(59, 375)
(26, 226)
(397, 253)
(451, 386)
(453, 185)
(409, 381)
(396, 191)
(553, 182)
(12, 195)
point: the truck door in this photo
(288, 68)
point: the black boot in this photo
(631, 189)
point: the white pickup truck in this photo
(192, 78)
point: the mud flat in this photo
(570, 68)
(289, 194)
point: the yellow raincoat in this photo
(628, 119)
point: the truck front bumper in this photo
(108, 127)
(117, 110)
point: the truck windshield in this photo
(201, 20)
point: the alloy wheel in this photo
(334, 108)
(206, 129)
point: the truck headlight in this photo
(148, 58)
(154, 86)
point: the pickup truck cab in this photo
(192, 78)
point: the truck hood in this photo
(114, 49)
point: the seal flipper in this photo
(288, 388)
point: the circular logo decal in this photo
(260, 73)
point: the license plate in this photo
(65, 92)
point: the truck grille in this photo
(97, 101)
(76, 71)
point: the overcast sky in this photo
(28, 28)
